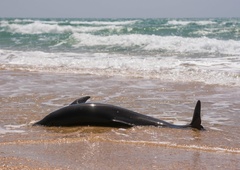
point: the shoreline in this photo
(28, 96)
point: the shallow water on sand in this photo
(26, 97)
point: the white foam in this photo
(184, 23)
(170, 44)
(205, 22)
(11, 129)
(223, 71)
(23, 20)
(105, 22)
(175, 22)
(40, 27)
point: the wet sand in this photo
(26, 97)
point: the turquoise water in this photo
(169, 49)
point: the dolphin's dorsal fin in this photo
(196, 120)
(80, 100)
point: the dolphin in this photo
(80, 113)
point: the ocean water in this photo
(176, 50)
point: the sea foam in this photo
(167, 44)
(206, 70)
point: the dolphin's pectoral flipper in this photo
(81, 100)
(196, 120)
(122, 122)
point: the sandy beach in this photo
(26, 97)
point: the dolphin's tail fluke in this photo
(196, 120)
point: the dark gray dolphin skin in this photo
(79, 113)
